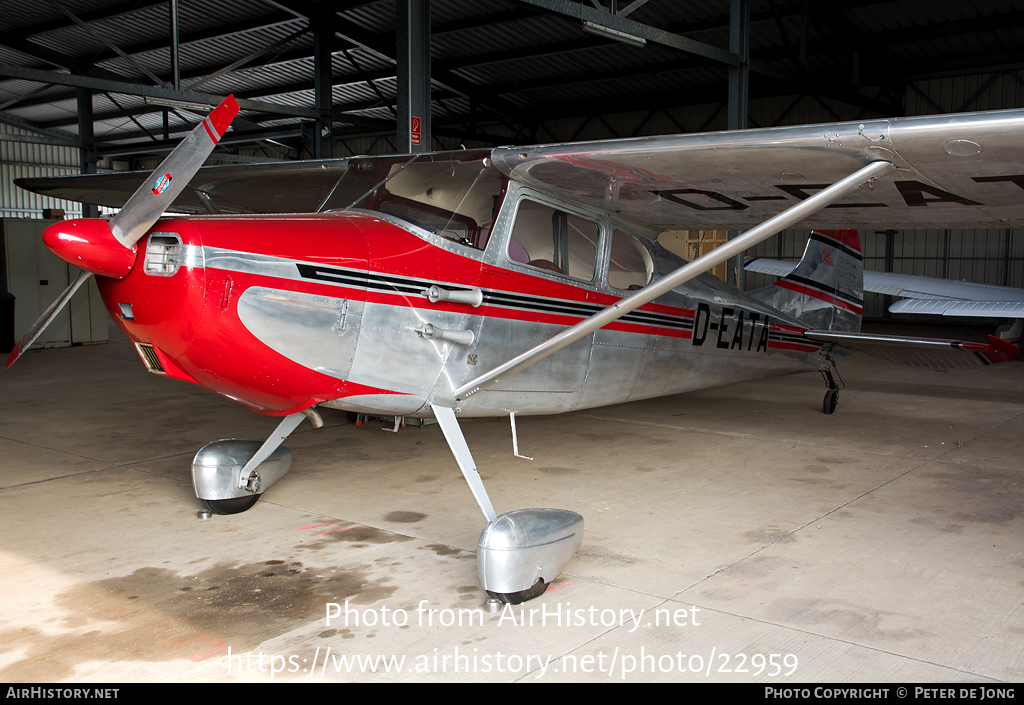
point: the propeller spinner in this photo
(108, 248)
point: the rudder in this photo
(826, 289)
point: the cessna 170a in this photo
(516, 281)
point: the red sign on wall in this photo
(414, 131)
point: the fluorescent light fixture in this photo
(183, 104)
(609, 33)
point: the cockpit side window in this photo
(453, 199)
(631, 265)
(453, 195)
(554, 240)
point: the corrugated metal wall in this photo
(20, 159)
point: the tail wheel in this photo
(235, 505)
(831, 401)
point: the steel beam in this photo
(109, 44)
(166, 145)
(86, 152)
(51, 56)
(414, 76)
(739, 96)
(581, 12)
(383, 46)
(98, 84)
(175, 66)
(322, 86)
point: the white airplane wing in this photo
(926, 295)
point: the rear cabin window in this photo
(551, 239)
(630, 267)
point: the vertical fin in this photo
(826, 290)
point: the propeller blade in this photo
(48, 315)
(157, 193)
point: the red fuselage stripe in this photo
(827, 298)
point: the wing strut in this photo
(757, 234)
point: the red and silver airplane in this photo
(524, 280)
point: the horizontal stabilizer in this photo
(945, 307)
(923, 352)
(763, 265)
(924, 295)
(824, 289)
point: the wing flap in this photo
(923, 352)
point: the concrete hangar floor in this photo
(762, 540)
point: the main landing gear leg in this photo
(519, 552)
(230, 475)
(831, 400)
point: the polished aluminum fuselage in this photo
(380, 342)
(283, 313)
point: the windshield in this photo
(455, 195)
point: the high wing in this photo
(277, 187)
(951, 170)
(927, 295)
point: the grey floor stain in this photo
(405, 517)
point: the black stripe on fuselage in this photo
(504, 299)
(828, 240)
(825, 289)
